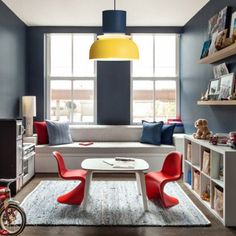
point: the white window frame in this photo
(72, 78)
(155, 78)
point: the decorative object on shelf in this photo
(114, 44)
(29, 111)
(206, 162)
(202, 129)
(220, 70)
(214, 89)
(233, 27)
(218, 200)
(205, 48)
(227, 84)
(219, 139)
(232, 139)
(206, 194)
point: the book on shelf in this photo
(218, 200)
(196, 181)
(206, 162)
(189, 151)
(221, 169)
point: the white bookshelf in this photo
(220, 156)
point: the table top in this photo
(109, 164)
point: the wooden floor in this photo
(215, 229)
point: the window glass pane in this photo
(61, 61)
(60, 102)
(143, 66)
(82, 66)
(165, 55)
(165, 100)
(83, 101)
(142, 101)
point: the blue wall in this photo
(113, 78)
(12, 63)
(195, 77)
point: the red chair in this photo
(155, 181)
(75, 196)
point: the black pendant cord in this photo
(114, 4)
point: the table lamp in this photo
(29, 111)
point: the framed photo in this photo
(213, 91)
(233, 24)
(205, 48)
(212, 25)
(220, 70)
(220, 39)
(227, 84)
(224, 18)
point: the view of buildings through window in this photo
(155, 78)
(70, 78)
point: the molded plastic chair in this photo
(75, 196)
(155, 181)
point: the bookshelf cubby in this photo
(218, 179)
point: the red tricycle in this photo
(12, 216)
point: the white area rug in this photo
(112, 203)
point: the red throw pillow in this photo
(42, 132)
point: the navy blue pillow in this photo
(167, 134)
(58, 132)
(151, 132)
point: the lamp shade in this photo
(123, 49)
(29, 106)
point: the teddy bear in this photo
(202, 130)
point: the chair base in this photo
(156, 191)
(74, 197)
(169, 201)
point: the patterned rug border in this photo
(208, 224)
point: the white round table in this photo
(108, 165)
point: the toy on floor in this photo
(202, 129)
(12, 216)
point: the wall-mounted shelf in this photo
(217, 102)
(219, 55)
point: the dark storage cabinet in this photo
(11, 151)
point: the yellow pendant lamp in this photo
(114, 45)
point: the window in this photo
(155, 78)
(71, 78)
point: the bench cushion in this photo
(105, 147)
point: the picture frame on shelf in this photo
(205, 49)
(233, 25)
(223, 20)
(220, 39)
(220, 70)
(212, 48)
(227, 86)
(213, 91)
(212, 25)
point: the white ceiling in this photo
(89, 12)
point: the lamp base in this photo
(28, 126)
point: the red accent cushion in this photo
(42, 132)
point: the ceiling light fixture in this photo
(114, 44)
